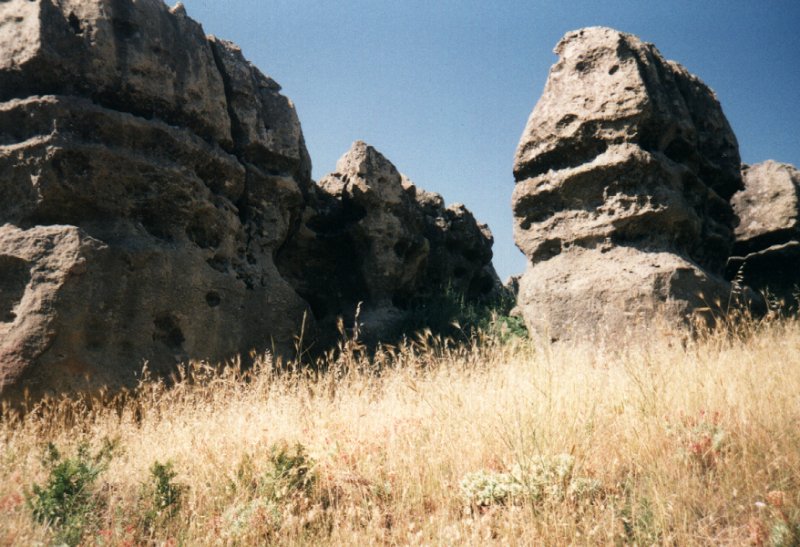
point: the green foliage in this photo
(508, 327)
(639, 522)
(782, 519)
(67, 501)
(162, 494)
(540, 479)
(291, 472)
(781, 534)
(284, 487)
(450, 314)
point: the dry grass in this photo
(692, 443)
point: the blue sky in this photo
(444, 88)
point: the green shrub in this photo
(291, 472)
(67, 501)
(284, 488)
(450, 314)
(639, 522)
(162, 495)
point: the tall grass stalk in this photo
(688, 442)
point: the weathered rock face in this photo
(460, 248)
(147, 177)
(156, 205)
(766, 255)
(138, 57)
(624, 172)
(372, 237)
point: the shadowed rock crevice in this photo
(14, 277)
(374, 242)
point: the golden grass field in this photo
(678, 441)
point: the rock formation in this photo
(766, 254)
(375, 242)
(624, 173)
(147, 177)
(156, 205)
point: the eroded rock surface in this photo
(147, 177)
(156, 206)
(766, 255)
(374, 241)
(624, 172)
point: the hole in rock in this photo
(218, 263)
(75, 24)
(566, 120)
(679, 151)
(402, 247)
(202, 233)
(213, 299)
(168, 331)
(14, 276)
(125, 29)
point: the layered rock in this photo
(156, 206)
(766, 254)
(624, 172)
(138, 57)
(373, 242)
(147, 177)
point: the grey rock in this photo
(135, 226)
(766, 255)
(136, 57)
(624, 172)
(374, 242)
(156, 206)
(252, 99)
(611, 292)
(460, 249)
(768, 206)
(388, 234)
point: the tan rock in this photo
(766, 255)
(768, 207)
(134, 227)
(623, 173)
(134, 57)
(610, 291)
(609, 88)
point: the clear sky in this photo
(443, 88)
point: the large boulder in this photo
(156, 206)
(148, 176)
(373, 243)
(766, 254)
(624, 172)
(138, 57)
